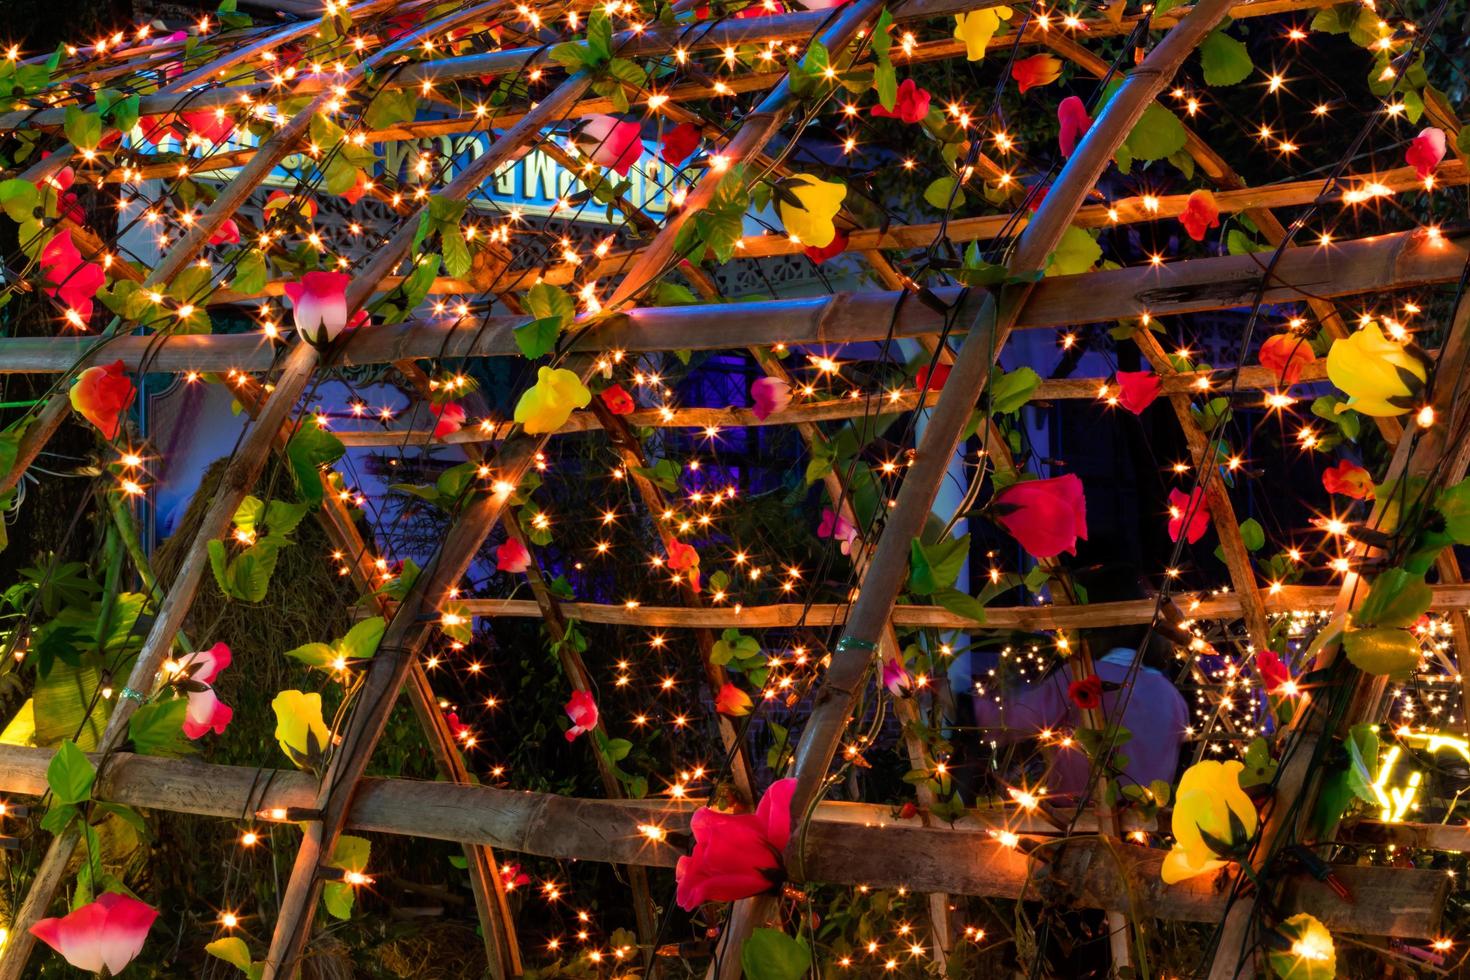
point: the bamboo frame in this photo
(940, 861)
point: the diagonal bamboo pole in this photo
(1297, 782)
(853, 658)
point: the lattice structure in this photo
(444, 287)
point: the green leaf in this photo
(250, 273)
(389, 107)
(1076, 253)
(935, 567)
(350, 854)
(311, 448)
(19, 198)
(1397, 599)
(937, 195)
(158, 729)
(538, 337)
(1225, 60)
(885, 82)
(1009, 390)
(82, 128)
(1252, 534)
(314, 655)
(456, 253)
(362, 640)
(1362, 749)
(961, 604)
(70, 774)
(1392, 652)
(232, 950)
(770, 954)
(545, 301)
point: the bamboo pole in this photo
(1430, 455)
(853, 657)
(857, 843)
(1371, 265)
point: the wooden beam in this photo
(850, 843)
(1361, 266)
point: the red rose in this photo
(1086, 693)
(1046, 516)
(617, 400)
(678, 143)
(1137, 390)
(927, 380)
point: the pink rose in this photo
(1137, 390)
(451, 416)
(1425, 152)
(612, 142)
(736, 855)
(512, 557)
(319, 303)
(1074, 122)
(1046, 516)
(108, 932)
(583, 712)
(769, 395)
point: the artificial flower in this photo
(611, 142)
(736, 855)
(894, 676)
(582, 710)
(1195, 508)
(1380, 377)
(1310, 953)
(512, 557)
(678, 143)
(1046, 516)
(228, 233)
(1086, 693)
(280, 201)
(1426, 151)
(1348, 479)
(683, 558)
(1209, 793)
(1273, 673)
(450, 416)
(206, 712)
(103, 934)
(931, 379)
(1039, 69)
(513, 877)
(977, 27)
(617, 400)
(101, 395)
(156, 129)
(912, 104)
(1287, 355)
(820, 200)
(69, 278)
(319, 304)
(1073, 121)
(300, 729)
(210, 125)
(359, 187)
(836, 246)
(1138, 389)
(1201, 213)
(769, 395)
(457, 728)
(834, 525)
(546, 405)
(732, 701)
(68, 206)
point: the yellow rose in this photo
(977, 27)
(1209, 792)
(299, 725)
(550, 401)
(1371, 369)
(1312, 955)
(820, 201)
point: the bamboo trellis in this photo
(840, 843)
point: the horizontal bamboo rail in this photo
(853, 844)
(1369, 265)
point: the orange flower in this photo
(732, 701)
(1039, 69)
(1201, 213)
(102, 395)
(1349, 479)
(1287, 355)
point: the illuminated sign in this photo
(1396, 801)
(532, 184)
